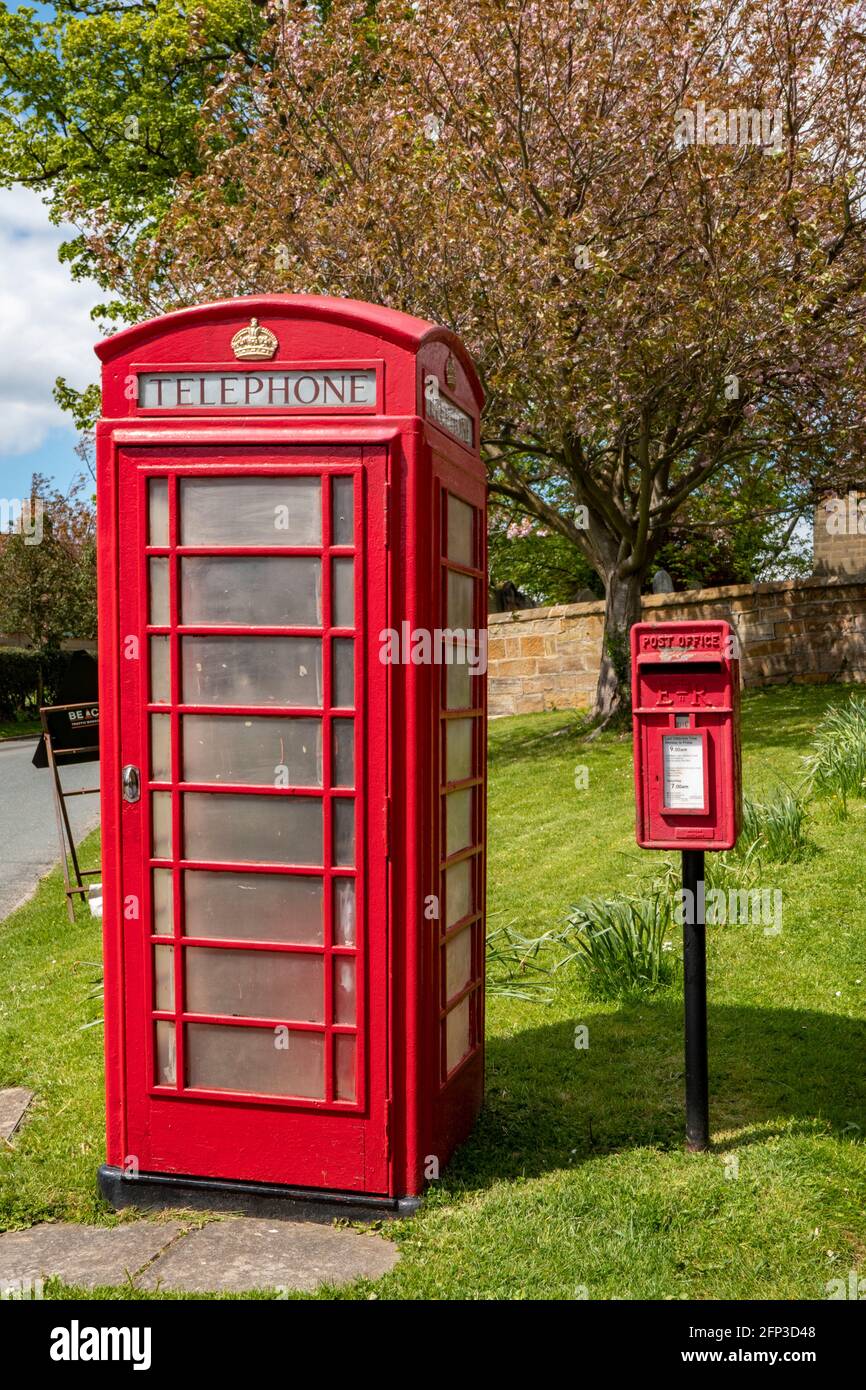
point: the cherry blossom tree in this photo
(644, 217)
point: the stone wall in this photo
(805, 631)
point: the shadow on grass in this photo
(550, 1105)
(520, 743)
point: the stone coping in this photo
(686, 598)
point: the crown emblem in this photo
(254, 343)
(450, 372)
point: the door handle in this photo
(131, 779)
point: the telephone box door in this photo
(252, 727)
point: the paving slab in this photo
(14, 1101)
(88, 1255)
(244, 1253)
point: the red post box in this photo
(685, 711)
(292, 615)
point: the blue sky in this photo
(45, 332)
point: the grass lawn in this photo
(19, 727)
(575, 1183)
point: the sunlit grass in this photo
(575, 1177)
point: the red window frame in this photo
(179, 864)
(475, 852)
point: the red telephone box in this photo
(686, 711)
(292, 609)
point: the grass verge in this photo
(575, 1178)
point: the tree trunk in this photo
(621, 610)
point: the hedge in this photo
(20, 669)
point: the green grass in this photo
(19, 727)
(575, 1177)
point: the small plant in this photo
(620, 944)
(513, 967)
(774, 830)
(836, 764)
(737, 868)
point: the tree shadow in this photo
(550, 1104)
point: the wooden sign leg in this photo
(64, 832)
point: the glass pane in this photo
(157, 511)
(160, 677)
(344, 912)
(342, 525)
(345, 1008)
(343, 810)
(252, 751)
(344, 1067)
(257, 1061)
(461, 532)
(461, 601)
(252, 829)
(457, 1034)
(459, 692)
(343, 677)
(458, 963)
(458, 821)
(343, 753)
(250, 511)
(163, 903)
(458, 749)
(158, 576)
(160, 747)
(255, 984)
(161, 814)
(253, 907)
(251, 590)
(458, 891)
(252, 671)
(343, 596)
(166, 1056)
(163, 978)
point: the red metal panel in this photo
(109, 701)
(409, 1105)
(434, 1117)
(686, 687)
(302, 1142)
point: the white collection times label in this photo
(683, 772)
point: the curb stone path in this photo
(248, 1253)
(226, 1256)
(87, 1255)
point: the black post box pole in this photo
(695, 991)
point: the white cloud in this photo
(45, 325)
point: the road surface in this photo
(28, 828)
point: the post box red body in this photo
(290, 496)
(685, 715)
